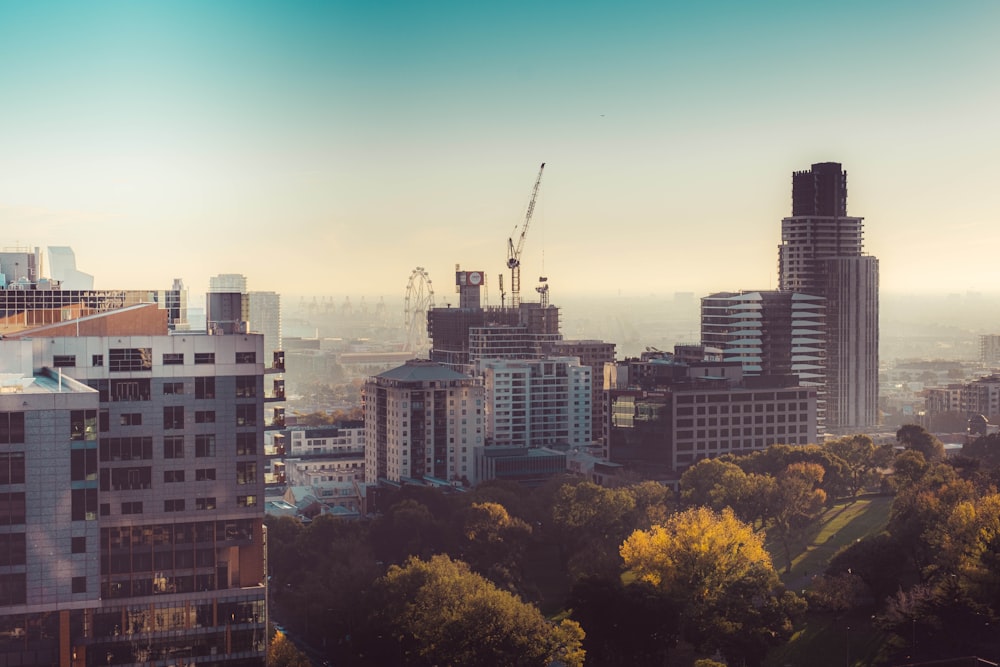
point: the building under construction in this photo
(461, 336)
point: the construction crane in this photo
(514, 251)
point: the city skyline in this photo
(331, 148)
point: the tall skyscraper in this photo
(822, 254)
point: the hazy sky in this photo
(332, 147)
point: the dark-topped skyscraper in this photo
(822, 254)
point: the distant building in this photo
(265, 318)
(62, 267)
(422, 419)
(989, 349)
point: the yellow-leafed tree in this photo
(716, 569)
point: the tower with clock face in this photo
(469, 286)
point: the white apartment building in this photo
(538, 402)
(422, 419)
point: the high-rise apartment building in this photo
(132, 483)
(538, 403)
(422, 419)
(821, 254)
(770, 333)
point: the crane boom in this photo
(514, 251)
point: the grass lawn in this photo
(841, 525)
(821, 638)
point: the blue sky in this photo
(331, 147)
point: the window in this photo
(97, 360)
(204, 387)
(246, 386)
(171, 476)
(64, 361)
(84, 505)
(126, 479)
(204, 445)
(176, 505)
(130, 419)
(78, 545)
(246, 357)
(246, 472)
(12, 549)
(134, 507)
(13, 589)
(246, 501)
(126, 449)
(204, 503)
(173, 447)
(130, 359)
(173, 387)
(83, 464)
(11, 427)
(173, 358)
(204, 417)
(173, 416)
(130, 390)
(83, 425)
(204, 357)
(246, 415)
(12, 468)
(204, 474)
(12, 508)
(246, 444)
(79, 584)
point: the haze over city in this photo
(330, 148)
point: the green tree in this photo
(439, 612)
(796, 502)
(915, 437)
(591, 521)
(716, 569)
(494, 543)
(860, 455)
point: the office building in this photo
(142, 458)
(663, 415)
(821, 254)
(422, 420)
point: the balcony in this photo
(277, 392)
(277, 363)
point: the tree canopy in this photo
(715, 566)
(439, 612)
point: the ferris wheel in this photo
(419, 299)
